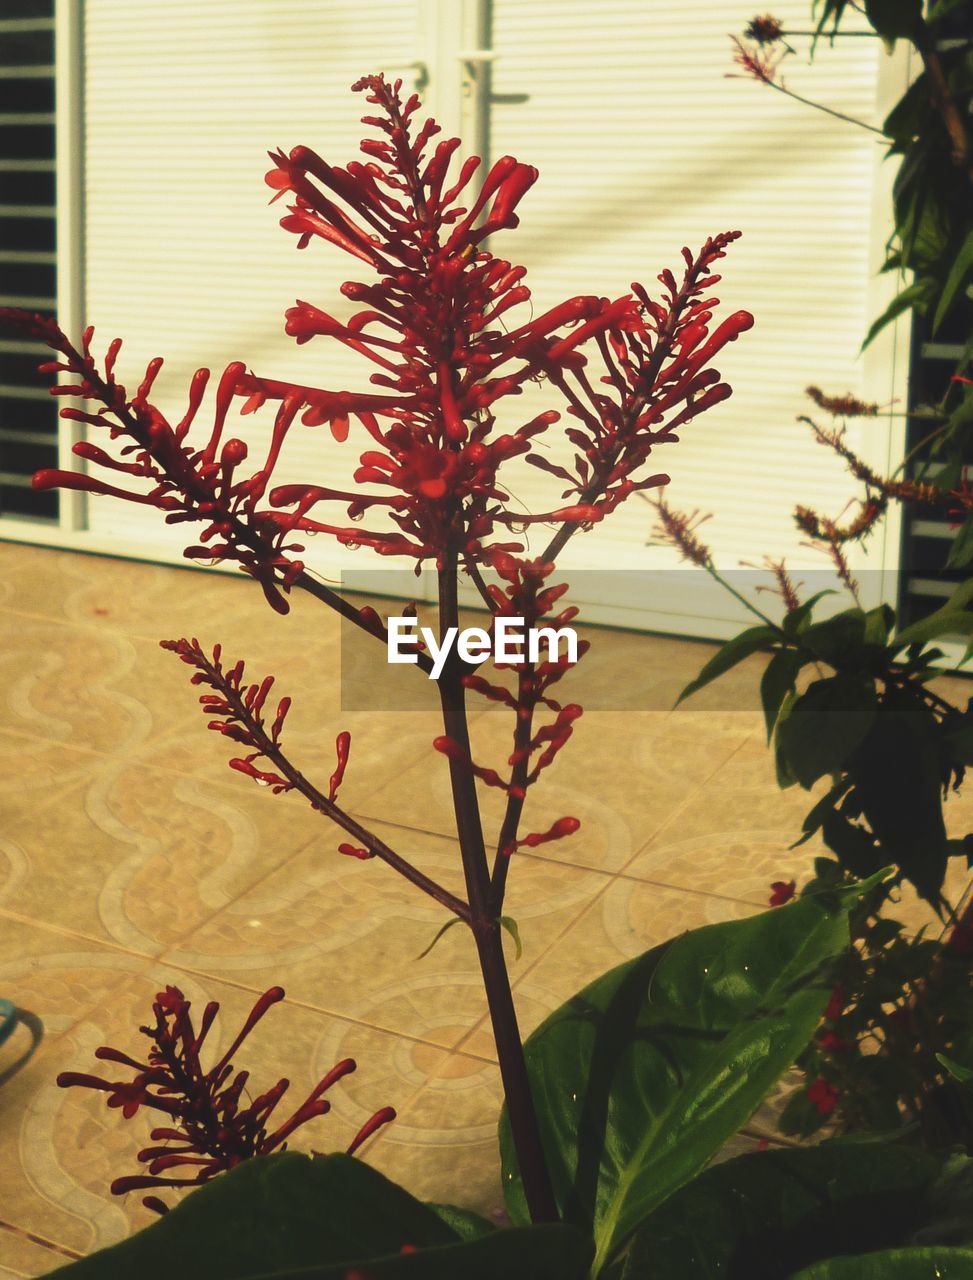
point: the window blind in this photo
(28, 416)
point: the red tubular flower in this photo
(836, 1004)
(822, 1096)
(241, 710)
(782, 891)
(208, 1130)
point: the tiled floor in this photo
(131, 857)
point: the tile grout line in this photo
(42, 1241)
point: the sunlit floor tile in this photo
(443, 1146)
(346, 936)
(138, 856)
(621, 774)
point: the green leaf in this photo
(944, 622)
(644, 1074)
(769, 1214)
(290, 1217)
(955, 1069)
(814, 819)
(520, 1253)
(961, 549)
(878, 625)
(942, 7)
(854, 847)
(837, 640)
(777, 682)
(825, 725)
(438, 934)
(896, 1264)
(798, 619)
(464, 1223)
(734, 651)
(897, 773)
(913, 295)
(273, 1214)
(510, 924)
(894, 18)
(962, 266)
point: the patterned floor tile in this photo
(346, 936)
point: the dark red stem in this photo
(486, 928)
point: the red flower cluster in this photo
(822, 1096)
(212, 1131)
(188, 484)
(782, 891)
(242, 720)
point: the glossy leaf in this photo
(273, 1214)
(838, 640)
(916, 295)
(464, 1222)
(961, 549)
(766, 1215)
(961, 268)
(733, 652)
(956, 1069)
(641, 1077)
(894, 18)
(521, 1253)
(825, 725)
(897, 772)
(942, 622)
(896, 1264)
(799, 619)
(777, 682)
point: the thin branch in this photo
(273, 752)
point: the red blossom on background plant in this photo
(782, 891)
(682, 532)
(822, 1096)
(764, 29)
(209, 1131)
(757, 61)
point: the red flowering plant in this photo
(626, 1092)
(204, 1108)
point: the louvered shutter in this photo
(644, 145)
(28, 229)
(184, 258)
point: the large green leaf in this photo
(824, 726)
(961, 268)
(914, 295)
(734, 651)
(644, 1074)
(764, 1216)
(273, 1213)
(521, 1253)
(942, 622)
(898, 781)
(837, 640)
(896, 1264)
(894, 18)
(777, 682)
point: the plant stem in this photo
(819, 106)
(485, 926)
(377, 847)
